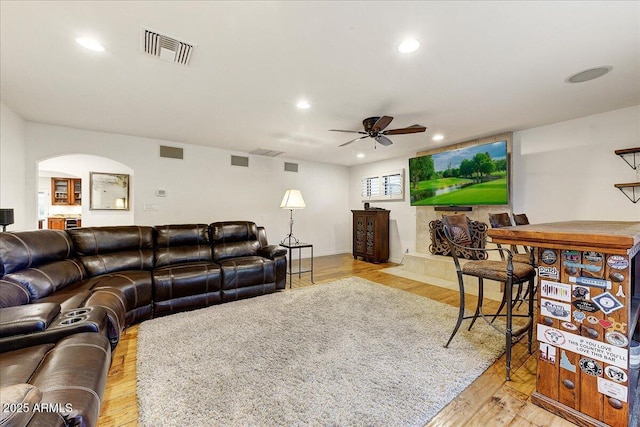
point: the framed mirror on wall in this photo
(109, 191)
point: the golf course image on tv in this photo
(474, 175)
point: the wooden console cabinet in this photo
(588, 309)
(371, 235)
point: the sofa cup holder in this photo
(73, 320)
(77, 312)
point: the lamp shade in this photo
(292, 200)
(6, 216)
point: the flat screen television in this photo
(473, 175)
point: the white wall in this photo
(567, 170)
(204, 187)
(12, 166)
(402, 227)
(560, 172)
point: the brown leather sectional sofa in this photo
(66, 296)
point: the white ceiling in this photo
(483, 68)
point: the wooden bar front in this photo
(587, 314)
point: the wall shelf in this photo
(631, 189)
(633, 151)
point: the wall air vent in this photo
(171, 152)
(239, 161)
(165, 47)
(265, 152)
(290, 167)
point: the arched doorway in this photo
(64, 192)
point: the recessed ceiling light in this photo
(409, 45)
(360, 155)
(438, 137)
(303, 105)
(91, 44)
(590, 74)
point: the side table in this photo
(299, 246)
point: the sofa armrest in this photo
(272, 251)
(26, 319)
(18, 401)
(66, 323)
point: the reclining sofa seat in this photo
(248, 267)
(42, 275)
(69, 376)
(119, 260)
(185, 276)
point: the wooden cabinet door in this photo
(60, 191)
(371, 235)
(56, 224)
(66, 191)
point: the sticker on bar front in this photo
(616, 374)
(612, 389)
(618, 262)
(549, 272)
(565, 363)
(555, 290)
(557, 310)
(597, 350)
(607, 302)
(547, 353)
(590, 367)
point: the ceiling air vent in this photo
(165, 47)
(265, 152)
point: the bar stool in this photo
(500, 220)
(458, 236)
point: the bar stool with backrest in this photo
(457, 233)
(520, 219)
(500, 220)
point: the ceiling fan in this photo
(374, 128)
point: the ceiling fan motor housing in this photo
(368, 123)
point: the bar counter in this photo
(588, 304)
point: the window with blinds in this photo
(385, 186)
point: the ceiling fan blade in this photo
(410, 129)
(383, 140)
(348, 131)
(353, 140)
(381, 123)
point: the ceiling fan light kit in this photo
(374, 127)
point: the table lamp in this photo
(292, 200)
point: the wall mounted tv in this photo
(468, 176)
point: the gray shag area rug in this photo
(346, 353)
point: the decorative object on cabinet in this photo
(109, 191)
(66, 191)
(629, 189)
(292, 200)
(371, 234)
(6, 218)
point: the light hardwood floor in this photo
(489, 401)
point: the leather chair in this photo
(458, 236)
